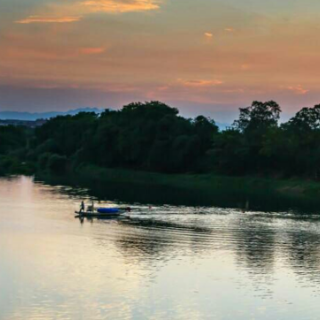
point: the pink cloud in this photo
(39, 19)
(91, 51)
(200, 83)
(298, 89)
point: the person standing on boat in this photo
(82, 207)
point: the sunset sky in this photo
(203, 56)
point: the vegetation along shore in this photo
(152, 141)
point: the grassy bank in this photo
(188, 189)
(291, 187)
(247, 192)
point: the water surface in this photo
(163, 262)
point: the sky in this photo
(202, 56)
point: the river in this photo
(158, 262)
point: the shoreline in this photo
(289, 187)
(264, 194)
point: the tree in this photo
(258, 117)
(307, 119)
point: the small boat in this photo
(108, 210)
(92, 212)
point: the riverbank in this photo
(190, 189)
(290, 187)
(245, 193)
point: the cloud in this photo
(245, 66)
(44, 19)
(81, 8)
(229, 29)
(208, 34)
(298, 89)
(200, 83)
(91, 51)
(116, 6)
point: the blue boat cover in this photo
(108, 210)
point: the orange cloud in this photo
(229, 29)
(201, 83)
(208, 34)
(245, 66)
(79, 9)
(298, 89)
(90, 51)
(116, 6)
(38, 19)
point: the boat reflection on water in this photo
(91, 219)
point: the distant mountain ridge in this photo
(32, 116)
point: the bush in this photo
(57, 164)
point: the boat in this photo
(92, 212)
(108, 210)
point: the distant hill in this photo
(33, 116)
(24, 123)
(29, 116)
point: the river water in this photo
(163, 262)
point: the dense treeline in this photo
(13, 142)
(152, 136)
(142, 136)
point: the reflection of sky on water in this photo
(163, 263)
